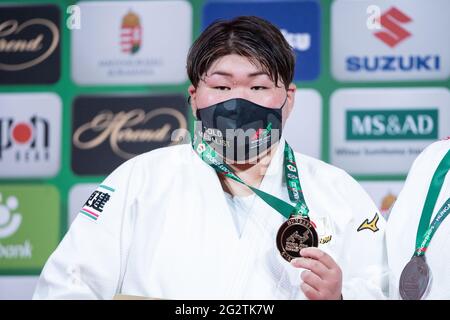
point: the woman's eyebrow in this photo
(250, 75)
(221, 73)
(258, 73)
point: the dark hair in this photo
(249, 36)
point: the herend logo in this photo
(30, 51)
(120, 129)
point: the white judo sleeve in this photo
(89, 261)
(363, 256)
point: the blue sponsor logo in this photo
(298, 20)
(387, 63)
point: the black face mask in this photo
(239, 129)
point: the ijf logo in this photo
(406, 43)
(298, 21)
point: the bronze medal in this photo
(414, 279)
(295, 234)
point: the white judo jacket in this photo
(163, 229)
(404, 221)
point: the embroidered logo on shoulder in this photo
(370, 225)
(95, 204)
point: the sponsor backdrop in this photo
(87, 85)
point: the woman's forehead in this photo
(234, 65)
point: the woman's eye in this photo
(222, 88)
(259, 88)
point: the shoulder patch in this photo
(95, 204)
(370, 225)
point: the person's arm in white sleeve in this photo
(364, 258)
(87, 263)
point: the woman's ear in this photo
(290, 99)
(192, 94)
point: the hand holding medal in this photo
(322, 279)
(297, 242)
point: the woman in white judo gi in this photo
(418, 231)
(226, 217)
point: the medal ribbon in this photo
(426, 231)
(209, 156)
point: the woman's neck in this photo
(251, 173)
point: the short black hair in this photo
(249, 36)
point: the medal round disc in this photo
(295, 234)
(414, 279)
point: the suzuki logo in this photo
(391, 21)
